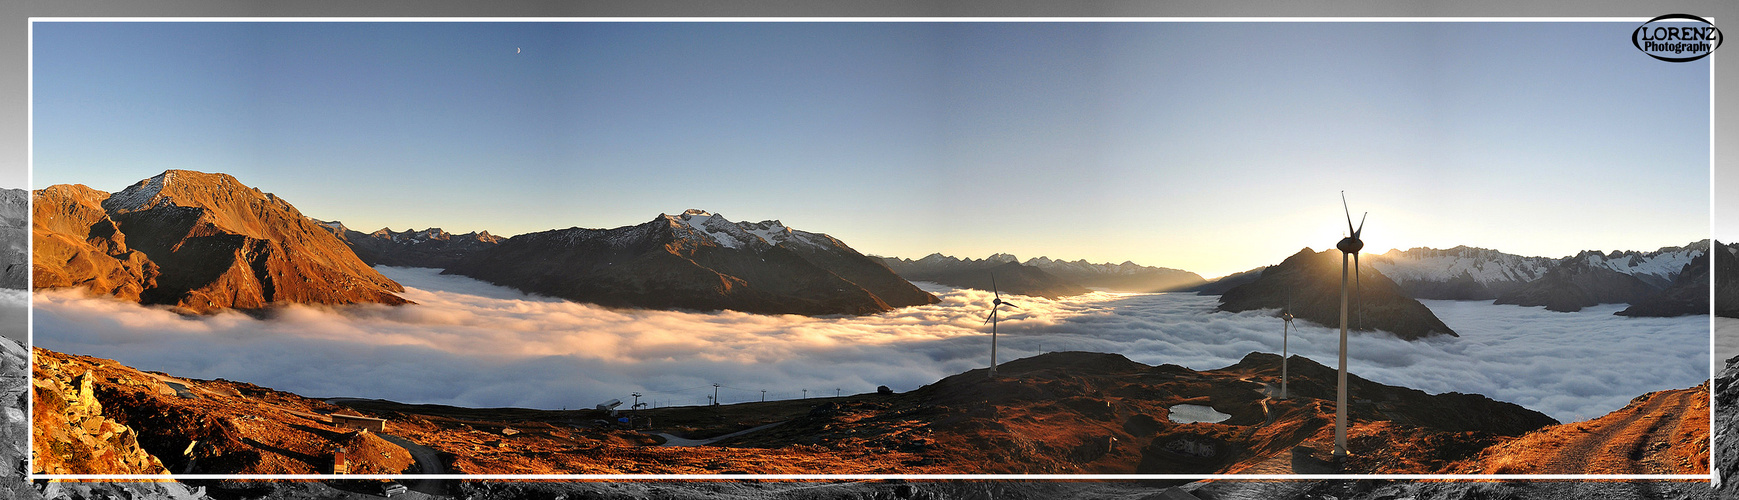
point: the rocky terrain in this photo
(696, 260)
(1309, 282)
(14, 238)
(198, 242)
(430, 247)
(1664, 432)
(1067, 412)
(1726, 426)
(1726, 277)
(1047, 410)
(1012, 277)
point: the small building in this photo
(350, 418)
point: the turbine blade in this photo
(988, 318)
(1343, 206)
(993, 286)
(1361, 224)
(1011, 305)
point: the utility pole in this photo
(715, 394)
(636, 408)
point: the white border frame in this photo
(1713, 477)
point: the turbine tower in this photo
(994, 305)
(1349, 245)
(1285, 335)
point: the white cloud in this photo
(473, 344)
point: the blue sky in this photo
(1211, 147)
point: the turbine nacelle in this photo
(1350, 245)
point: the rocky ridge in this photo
(198, 242)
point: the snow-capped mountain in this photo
(696, 260)
(1560, 284)
(1467, 273)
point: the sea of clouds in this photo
(470, 343)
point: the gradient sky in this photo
(1211, 147)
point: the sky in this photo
(473, 344)
(1209, 147)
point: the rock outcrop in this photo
(72, 435)
(1309, 283)
(208, 243)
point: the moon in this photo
(516, 50)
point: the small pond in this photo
(1189, 414)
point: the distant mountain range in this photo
(430, 247)
(1041, 276)
(696, 260)
(196, 241)
(1659, 282)
(203, 242)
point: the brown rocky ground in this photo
(701, 422)
(1664, 432)
(1055, 413)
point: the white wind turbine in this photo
(1349, 245)
(994, 305)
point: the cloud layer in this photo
(473, 344)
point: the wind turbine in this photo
(994, 304)
(1349, 245)
(1285, 335)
